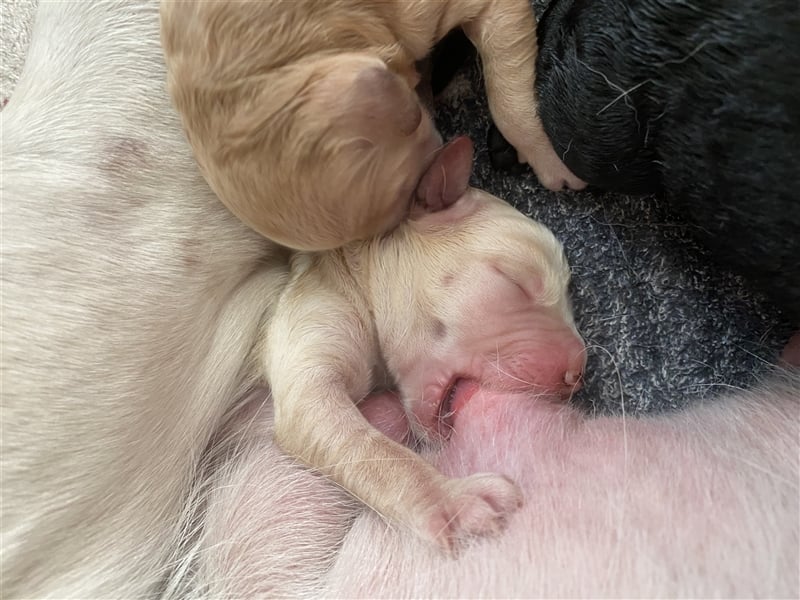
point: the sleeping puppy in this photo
(696, 102)
(474, 293)
(291, 107)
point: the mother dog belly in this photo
(699, 503)
(121, 274)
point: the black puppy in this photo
(698, 102)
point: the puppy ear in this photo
(379, 99)
(447, 178)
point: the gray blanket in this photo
(664, 326)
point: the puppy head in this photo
(474, 294)
(349, 141)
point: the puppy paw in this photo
(542, 158)
(475, 506)
(550, 169)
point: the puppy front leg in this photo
(505, 35)
(319, 358)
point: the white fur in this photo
(130, 300)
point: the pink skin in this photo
(510, 345)
(695, 503)
(446, 179)
(385, 412)
(514, 346)
(791, 353)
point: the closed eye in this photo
(521, 288)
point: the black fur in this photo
(698, 102)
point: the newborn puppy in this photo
(473, 294)
(696, 102)
(303, 114)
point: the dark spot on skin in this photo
(124, 156)
(190, 254)
(447, 280)
(4, 103)
(439, 329)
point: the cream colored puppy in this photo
(473, 295)
(303, 114)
